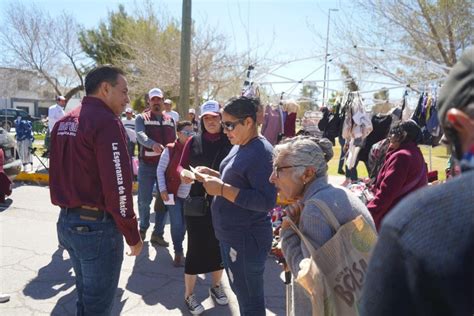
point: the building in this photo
(27, 90)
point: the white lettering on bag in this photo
(119, 176)
(68, 128)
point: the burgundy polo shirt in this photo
(90, 165)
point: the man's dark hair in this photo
(100, 74)
(182, 124)
(242, 107)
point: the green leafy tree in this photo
(106, 43)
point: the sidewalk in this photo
(39, 277)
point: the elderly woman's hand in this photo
(213, 185)
(293, 211)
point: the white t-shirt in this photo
(130, 129)
(55, 113)
(173, 114)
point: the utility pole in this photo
(326, 56)
(185, 62)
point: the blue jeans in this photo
(177, 223)
(245, 265)
(96, 257)
(146, 181)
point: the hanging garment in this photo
(381, 127)
(290, 125)
(272, 124)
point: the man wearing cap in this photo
(55, 112)
(129, 124)
(168, 111)
(154, 131)
(423, 261)
(193, 120)
(91, 181)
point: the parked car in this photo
(8, 117)
(11, 163)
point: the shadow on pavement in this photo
(52, 279)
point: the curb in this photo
(43, 178)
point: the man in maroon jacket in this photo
(91, 181)
(154, 131)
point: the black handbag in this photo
(195, 205)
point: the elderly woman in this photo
(403, 171)
(300, 174)
(243, 197)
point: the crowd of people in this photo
(217, 178)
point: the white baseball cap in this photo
(168, 101)
(193, 111)
(210, 107)
(155, 92)
(128, 110)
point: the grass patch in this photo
(439, 160)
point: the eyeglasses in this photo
(230, 126)
(276, 169)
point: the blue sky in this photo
(282, 29)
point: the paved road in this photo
(39, 277)
(40, 280)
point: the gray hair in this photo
(305, 151)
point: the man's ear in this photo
(104, 88)
(459, 120)
(463, 126)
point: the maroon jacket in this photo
(5, 182)
(160, 129)
(90, 165)
(404, 171)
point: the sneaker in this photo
(143, 234)
(4, 298)
(218, 294)
(178, 261)
(193, 305)
(158, 240)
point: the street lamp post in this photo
(326, 56)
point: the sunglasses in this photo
(188, 133)
(230, 125)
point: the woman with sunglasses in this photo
(205, 149)
(300, 174)
(243, 197)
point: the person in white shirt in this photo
(168, 111)
(55, 113)
(129, 124)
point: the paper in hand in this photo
(199, 175)
(170, 199)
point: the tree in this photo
(106, 43)
(409, 40)
(35, 41)
(381, 95)
(350, 81)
